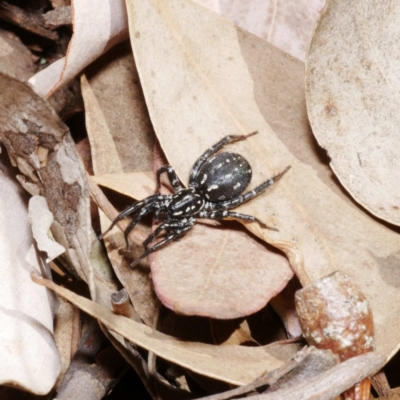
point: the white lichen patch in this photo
(362, 307)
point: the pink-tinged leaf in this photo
(287, 24)
(218, 272)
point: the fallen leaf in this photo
(30, 359)
(63, 335)
(216, 90)
(352, 81)
(136, 185)
(121, 139)
(287, 25)
(234, 276)
(234, 364)
(41, 219)
(95, 30)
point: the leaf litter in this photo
(224, 108)
(352, 76)
(330, 233)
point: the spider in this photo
(216, 184)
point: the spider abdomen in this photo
(224, 176)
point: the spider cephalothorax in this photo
(215, 186)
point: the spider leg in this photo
(171, 224)
(237, 201)
(221, 214)
(162, 243)
(173, 178)
(144, 211)
(131, 209)
(209, 152)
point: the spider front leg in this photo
(237, 201)
(132, 209)
(173, 178)
(171, 236)
(144, 211)
(209, 152)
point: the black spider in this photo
(215, 186)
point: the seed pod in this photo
(334, 314)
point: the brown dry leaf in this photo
(121, 139)
(352, 85)
(137, 185)
(286, 24)
(30, 359)
(63, 335)
(217, 90)
(233, 364)
(97, 27)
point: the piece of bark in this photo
(58, 17)
(31, 22)
(331, 383)
(15, 59)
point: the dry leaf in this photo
(285, 24)
(219, 272)
(27, 349)
(136, 185)
(121, 140)
(41, 219)
(96, 29)
(217, 90)
(234, 364)
(63, 335)
(352, 81)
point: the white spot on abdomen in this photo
(212, 187)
